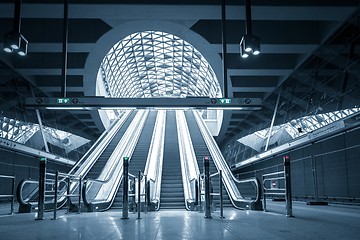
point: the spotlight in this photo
(9, 40)
(22, 51)
(249, 44)
(243, 52)
(15, 42)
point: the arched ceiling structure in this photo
(291, 33)
(157, 64)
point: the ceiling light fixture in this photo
(14, 41)
(249, 44)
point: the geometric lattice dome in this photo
(154, 64)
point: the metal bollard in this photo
(125, 189)
(139, 196)
(80, 189)
(13, 196)
(56, 194)
(264, 194)
(145, 191)
(288, 196)
(68, 194)
(207, 187)
(221, 196)
(42, 171)
(199, 188)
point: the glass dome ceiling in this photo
(157, 64)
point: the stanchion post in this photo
(207, 187)
(41, 200)
(264, 194)
(68, 194)
(125, 189)
(13, 196)
(288, 196)
(221, 196)
(56, 194)
(145, 191)
(80, 189)
(139, 196)
(199, 188)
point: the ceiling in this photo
(291, 32)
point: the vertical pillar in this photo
(13, 195)
(264, 194)
(224, 50)
(56, 193)
(221, 195)
(64, 49)
(68, 182)
(42, 130)
(139, 196)
(199, 188)
(288, 196)
(80, 189)
(207, 187)
(41, 200)
(145, 191)
(125, 188)
(272, 121)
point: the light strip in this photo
(69, 108)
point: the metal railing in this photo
(55, 181)
(189, 166)
(275, 190)
(220, 193)
(12, 195)
(154, 161)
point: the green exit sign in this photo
(224, 101)
(42, 158)
(63, 100)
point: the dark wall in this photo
(336, 165)
(22, 166)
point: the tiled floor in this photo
(310, 222)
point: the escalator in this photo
(172, 194)
(100, 163)
(138, 159)
(90, 165)
(201, 150)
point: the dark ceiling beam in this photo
(188, 12)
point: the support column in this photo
(125, 189)
(272, 121)
(41, 200)
(207, 187)
(224, 49)
(288, 196)
(42, 130)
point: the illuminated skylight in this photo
(157, 64)
(286, 132)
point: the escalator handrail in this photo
(187, 154)
(97, 142)
(218, 159)
(125, 147)
(94, 155)
(155, 157)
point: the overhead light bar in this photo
(91, 103)
(69, 108)
(249, 44)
